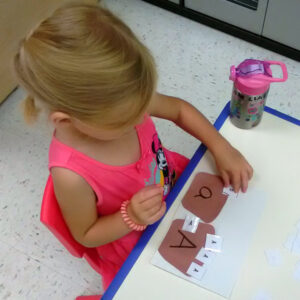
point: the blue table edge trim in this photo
(282, 115)
(141, 244)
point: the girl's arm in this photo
(77, 202)
(233, 167)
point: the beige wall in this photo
(17, 17)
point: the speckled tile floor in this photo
(193, 63)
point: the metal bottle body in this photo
(246, 110)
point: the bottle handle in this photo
(284, 71)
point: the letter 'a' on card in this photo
(205, 256)
(196, 271)
(191, 223)
(213, 243)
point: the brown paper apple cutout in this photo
(205, 197)
(180, 247)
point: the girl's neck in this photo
(118, 152)
(70, 135)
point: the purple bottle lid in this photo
(253, 77)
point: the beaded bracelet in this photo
(127, 220)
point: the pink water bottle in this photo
(252, 80)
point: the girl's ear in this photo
(58, 118)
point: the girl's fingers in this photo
(153, 211)
(159, 214)
(250, 172)
(236, 182)
(244, 179)
(152, 204)
(150, 192)
(226, 179)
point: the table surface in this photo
(273, 149)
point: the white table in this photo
(273, 149)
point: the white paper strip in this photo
(205, 256)
(191, 223)
(196, 271)
(213, 243)
(229, 191)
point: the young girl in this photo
(97, 83)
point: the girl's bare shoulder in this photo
(66, 179)
(76, 200)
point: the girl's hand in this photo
(233, 167)
(146, 206)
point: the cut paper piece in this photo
(213, 243)
(296, 244)
(190, 223)
(297, 271)
(205, 256)
(205, 197)
(290, 241)
(229, 191)
(180, 248)
(262, 295)
(298, 225)
(196, 271)
(274, 257)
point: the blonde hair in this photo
(86, 62)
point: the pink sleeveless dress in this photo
(115, 184)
